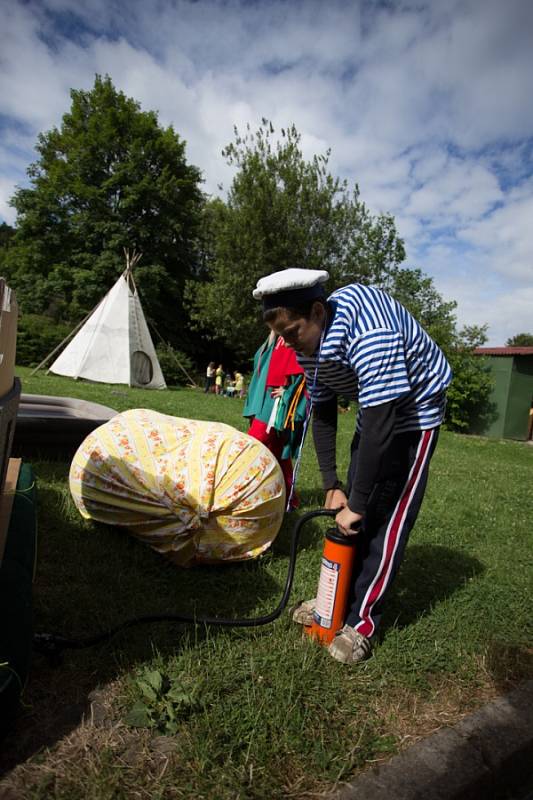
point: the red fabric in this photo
(274, 443)
(282, 364)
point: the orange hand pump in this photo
(334, 586)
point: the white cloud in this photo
(462, 190)
(512, 314)
(32, 88)
(506, 312)
(505, 237)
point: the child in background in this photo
(219, 379)
(209, 376)
(239, 384)
(230, 387)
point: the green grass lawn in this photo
(262, 713)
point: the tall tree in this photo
(109, 177)
(282, 211)
(520, 340)
(6, 237)
(6, 234)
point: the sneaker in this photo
(350, 646)
(302, 612)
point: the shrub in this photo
(37, 336)
(469, 408)
(174, 365)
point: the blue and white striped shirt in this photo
(374, 351)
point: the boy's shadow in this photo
(429, 573)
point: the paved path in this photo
(487, 755)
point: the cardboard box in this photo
(8, 337)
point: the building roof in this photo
(504, 351)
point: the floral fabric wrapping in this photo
(195, 491)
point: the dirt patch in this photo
(87, 751)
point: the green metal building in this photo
(512, 394)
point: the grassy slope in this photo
(276, 716)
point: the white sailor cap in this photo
(290, 287)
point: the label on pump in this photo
(327, 589)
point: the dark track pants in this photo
(391, 513)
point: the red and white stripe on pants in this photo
(390, 516)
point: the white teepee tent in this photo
(114, 344)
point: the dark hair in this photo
(300, 310)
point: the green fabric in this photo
(16, 578)
(286, 400)
(290, 449)
(259, 402)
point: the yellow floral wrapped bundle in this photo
(195, 491)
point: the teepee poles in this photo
(131, 262)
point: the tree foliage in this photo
(282, 211)
(37, 336)
(520, 340)
(177, 367)
(109, 177)
(6, 235)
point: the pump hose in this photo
(51, 644)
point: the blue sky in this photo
(426, 105)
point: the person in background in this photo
(362, 344)
(276, 404)
(229, 390)
(219, 379)
(239, 384)
(209, 377)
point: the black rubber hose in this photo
(51, 644)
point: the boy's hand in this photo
(335, 498)
(348, 521)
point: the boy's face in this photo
(299, 333)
